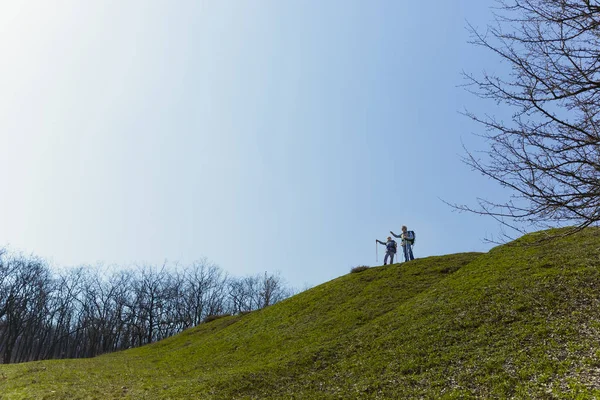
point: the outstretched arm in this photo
(395, 234)
(380, 242)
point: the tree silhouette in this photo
(548, 153)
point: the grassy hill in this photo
(522, 321)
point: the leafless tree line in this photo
(84, 312)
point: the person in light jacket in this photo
(408, 240)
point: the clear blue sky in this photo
(265, 135)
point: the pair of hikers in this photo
(408, 240)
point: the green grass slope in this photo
(522, 321)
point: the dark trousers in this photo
(390, 255)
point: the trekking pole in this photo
(376, 256)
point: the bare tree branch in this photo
(548, 154)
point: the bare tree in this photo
(62, 314)
(25, 289)
(151, 289)
(255, 292)
(272, 290)
(242, 294)
(548, 154)
(204, 292)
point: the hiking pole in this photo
(376, 257)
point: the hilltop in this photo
(521, 321)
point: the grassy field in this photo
(522, 321)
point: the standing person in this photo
(408, 240)
(390, 249)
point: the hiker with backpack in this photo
(408, 241)
(390, 249)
